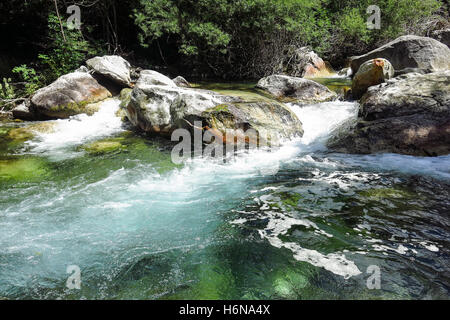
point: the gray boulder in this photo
(408, 115)
(292, 89)
(409, 52)
(69, 95)
(114, 68)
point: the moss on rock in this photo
(28, 132)
(22, 169)
(104, 146)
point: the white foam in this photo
(79, 129)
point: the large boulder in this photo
(303, 62)
(370, 73)
(161, 109)
(409, 52)
(69, 95)
(408, 115)
(292, 89)
(114, 68)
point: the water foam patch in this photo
(78, 129)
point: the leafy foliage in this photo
(7, 89)
(66, 52)
(29, 75)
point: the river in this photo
(296, 222)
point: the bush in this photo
(66, 53)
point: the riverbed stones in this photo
(114, 68)
(410, 51)
(293, 89)
(67, 96)
(370, 73)
(409, 114)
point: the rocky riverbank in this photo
(403, 90)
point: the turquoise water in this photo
(298, 222)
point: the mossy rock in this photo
(125, 97)
(74, 108)
(28, 132)
(104, 146)
(289, 285)
(219, 108)
(22, 169)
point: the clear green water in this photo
(140, 227)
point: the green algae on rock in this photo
(25, 169)
(28, 132)
(104, 146)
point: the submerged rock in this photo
(410, 52)
(294, 89)
(407, 115)
(67, 96)
(24, 169)
(371, 73)
(181, 82)
(103, 146)
(114, 68)
(28, 132)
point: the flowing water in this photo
(298, 222)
